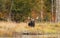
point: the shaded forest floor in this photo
(12, 28)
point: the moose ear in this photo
(29, 18)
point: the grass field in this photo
(42, 28)
(8, 29)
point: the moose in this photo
(31, 23)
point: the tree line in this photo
(20, 10)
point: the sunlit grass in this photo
(42, 28)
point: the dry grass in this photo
(42, 28)
(39, 28)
